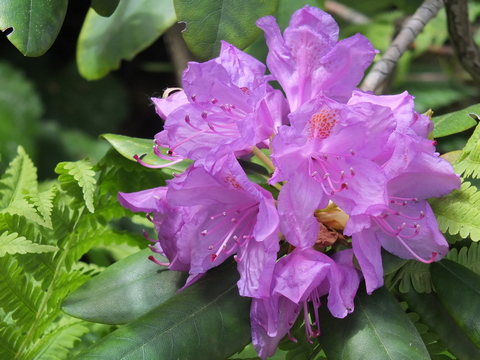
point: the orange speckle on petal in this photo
(322, 123)
(232, 181)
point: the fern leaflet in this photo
(14, 244)
(467, 256)
(459, 212)
(75, 176)
(20, 176)
(468, 164)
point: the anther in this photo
(204, 114)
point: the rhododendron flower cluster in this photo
(351, 168)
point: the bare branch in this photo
(462, 38)
(380, 71)
(178, 50)
(348, 14)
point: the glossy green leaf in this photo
(209, 21)
(455, 122)
(35, 24)
(459, 291)
(105, 42)
(130, 146)
(104, 7)
(378, 329)
(208, 320)
(124, 291)
(436, 317)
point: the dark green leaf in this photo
(455, 122)
(209, 21)
(207, 320)
(129, 146)
(435, 316)
(105, 42)
(377, 329)
(124, 291)
(35, 24)
(104, 7)
(459, 291)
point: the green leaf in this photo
(416, 274)
(105, 42)
(124, 291)
(14, 244)
(35, 24)
(468, 164)
(105, 7)
(20, 176)
(130, 146)
(377, 327)
(459, 291)
(78, 175)
(459, 212)
(208, 320)
(455, 122)
(56, 344)
(20, 111)
(435, 316)
(210, 21)
(467, 256)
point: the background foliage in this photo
(61, 224)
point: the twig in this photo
(462, 38)
(178, 50)
(346, 13)
(380, 71)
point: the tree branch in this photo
(380, 71)
(462, 38)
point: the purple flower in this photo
(406, 228)
(309, 61)
(327, 154)
(169, 223)
(207, 216)
(300, 277)
(226, 106)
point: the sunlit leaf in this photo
(105, 42)
(130, 146)
(104, 7)
(35, 24)
(455, 122)
(209, 21)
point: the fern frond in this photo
(43, 202)
(467, 256)
(414, 274)
(459, 212)
(468, 164)
(20, 176)
(23, 208)
(14, 244)
(9, 340)
(58, 340)
(19, 296)
(75, 176)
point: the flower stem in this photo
(258, 153)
